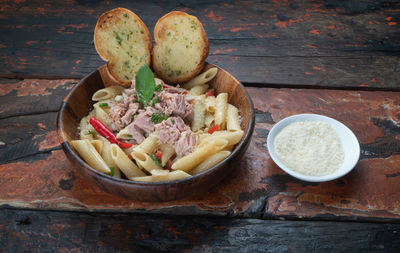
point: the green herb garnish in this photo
(154, 158)
(155, 101)
(158, 117)
(112, 171)
(129, 135)
(102, 105)
(173, 121)
(90, 132)
(119, 40)
(158, 88)
(145, 84)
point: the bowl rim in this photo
(279, 126)
(240, 147)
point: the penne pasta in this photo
(188, 162)
(86, 130)
(221, 106)
(209, 120)
(90, 155)
(98, 145)
(232, 119)
(162, 175)
(102, 115)
(233, 137)
(124, 163)
(124, 134)
(167, 152)
(210, 103)
(148, 145)
(203, 78)
(198, 90)
(198, 114)
(210, 162)
(144, 160)
(107, 93)
(106, 155)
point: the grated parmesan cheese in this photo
(310, 148)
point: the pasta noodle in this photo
(124, 163)
(167, 152)
(198, 114)
(233, 137)
(144, 160)
(90, 155)
(106, 155)
(162, 175)
(232, 119)
(201, 79)
(188, 162)
(107, 93)
(221, 106)
(198, 90)
(148, 145)
(210, 162)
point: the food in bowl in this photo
(156, 132)
(310, 148)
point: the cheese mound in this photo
(310, 148)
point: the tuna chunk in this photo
(186, 143)
(137, 134)
(143, 121)
(174, 132)
(172, 89)
(177, 105)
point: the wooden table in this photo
(340, 59)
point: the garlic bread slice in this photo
(181, 47)
(123, 40)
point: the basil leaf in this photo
(144, 84)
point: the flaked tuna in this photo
(174, 132)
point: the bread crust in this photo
(110, 18)
(159, 31)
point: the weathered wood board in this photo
(47, 231)
(34, 172)
(267, 43)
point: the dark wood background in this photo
(337, 58)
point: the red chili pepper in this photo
(159, 155)
(107, 133)
(213, 129)
(210, 93)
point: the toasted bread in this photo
(181, 47)
(123, 40)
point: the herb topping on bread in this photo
(181, 47)
(123, 40)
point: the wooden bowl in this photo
(77, 104)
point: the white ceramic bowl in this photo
(349, 141)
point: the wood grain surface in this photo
(84, 232)
(266, 43)
(35, 173)
(336, 58)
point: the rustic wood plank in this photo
(34, 173)
(76, 232)
(32, 96)
(300, 43)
